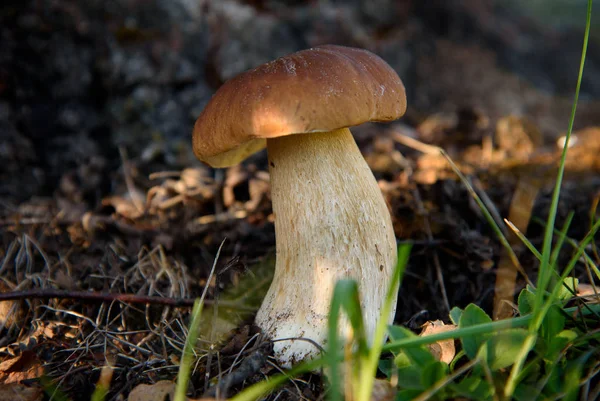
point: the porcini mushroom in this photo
(331, 221)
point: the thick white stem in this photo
(331, 222)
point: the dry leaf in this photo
(163, 390)
(588, 293)
(64, 280)
(521, 208)
(159, 391)
(583, 155)
(8, 309)
(517, 136)
(20, 392)
(23, 367)
(125, 206)
(442, 350)
(382, 391)
(6, 365)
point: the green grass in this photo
(187, 359)
(547, 352)
(543, 302)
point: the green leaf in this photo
(456, 358)
(418, 355)
(526, 392)
(474, 387)
(566, 336)
(568, 288)
(399, 333)
(401, 360)
(554, 384)
(455, 315)
(432, 373)
(407, 395)
(386, 366)
(410, 378)
(473, 315)
(503, 348)
(553, 323)
(526, 301)
(573, 374)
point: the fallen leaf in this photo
(589, 293)
(125, 206)
(382, 391)
(8, 309)
(7, 364)
(23, 367)
(163, 390)
(521, 208)
(160, 391)
(64, 280)
(20, 392)
(442, 350)
(517, 136)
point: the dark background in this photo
(78, 79)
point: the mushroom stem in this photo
(331, 222)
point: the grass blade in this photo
(545, 272)
(485, 328)
(345, 295)
(370, 369)
(259, 390)
(187, 359)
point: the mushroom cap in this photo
(315, 90)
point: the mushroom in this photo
(331, 220)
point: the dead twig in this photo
(47, 293)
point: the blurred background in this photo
(79, 79)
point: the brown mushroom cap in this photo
(316, 90)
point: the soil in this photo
(100, 191)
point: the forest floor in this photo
(102, 204)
